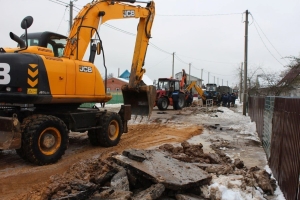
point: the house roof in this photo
(125, 74)
(290, 76)
(145, 78)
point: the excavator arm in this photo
(136, 93)
(197, 88)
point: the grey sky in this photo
(212, 41)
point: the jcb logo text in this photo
(128, 13)
(85, 69)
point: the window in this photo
(177, 86)
(107, 89)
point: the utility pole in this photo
(245, 101)
(71, 15)
(190, 73)
(218, 81)
(227, 83)
(241, 83)
(208, 78)
(201, 77)
(173, 65)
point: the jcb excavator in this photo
(44, 80)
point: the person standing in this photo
(229, 99)
(233, 98)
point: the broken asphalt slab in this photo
(161, 168)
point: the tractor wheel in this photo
(181, 101)
(162, 103)
(110, 132)
(44, 140)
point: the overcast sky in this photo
(209, 34)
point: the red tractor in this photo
(169, 92)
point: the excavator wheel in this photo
(178, 105)
(44, 139)
(162, 103)
(110, 132)
(24, 125)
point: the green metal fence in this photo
(117, 98)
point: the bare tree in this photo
(110, 75)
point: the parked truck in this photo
(44, 80)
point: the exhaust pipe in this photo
(17, 39)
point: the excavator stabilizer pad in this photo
(10, 133)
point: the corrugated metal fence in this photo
(278, 127)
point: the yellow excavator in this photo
(44, 80)
(199, 90)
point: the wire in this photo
(180, 59)
(208, 60)
(266, 45)
(208, 15)
(156, 47)
(117, 29)
(58, 3)
(62, 2)
(160, 61)
(268, 39)
(62, 18)
(76, 8)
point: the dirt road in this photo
(18, 177)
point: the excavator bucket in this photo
(10, 133)
(141, 100)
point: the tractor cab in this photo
(168, 85)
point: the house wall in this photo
(189, 79)
(114, 84)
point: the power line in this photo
(208, 60)
(156, 47)
(266, 45)
(118, 29)
(62, 19)
(62, 2)
(180, 59)
(197, 15)
(268, 39)
(59, 3)
(159, 49)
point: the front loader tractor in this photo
(168, 93)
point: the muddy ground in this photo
(18, 178)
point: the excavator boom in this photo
(136, 93)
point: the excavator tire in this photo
(24, 125)
(44, 139)
(110, 132)
(162, 103)
(178, 105)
